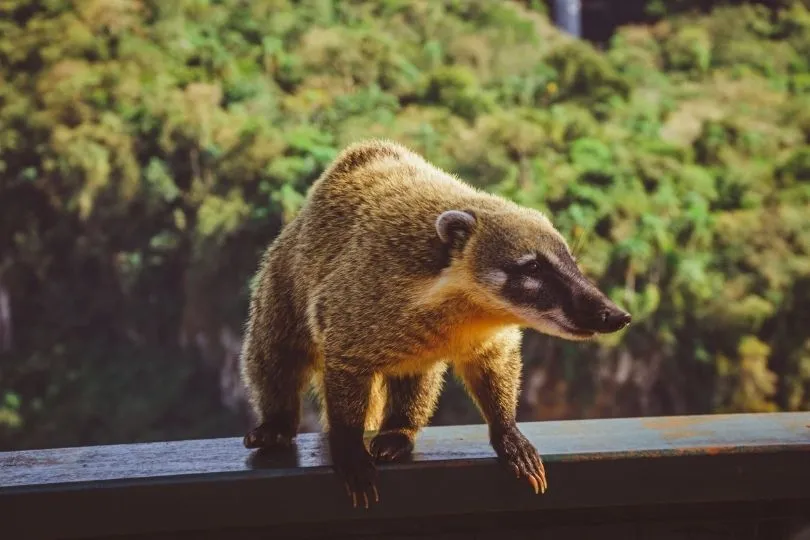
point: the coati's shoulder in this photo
(378, 172)
(369, 152)
(381, 164)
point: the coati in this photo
(392, 270)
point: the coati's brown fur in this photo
(390, 272)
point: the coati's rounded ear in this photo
(455, 224)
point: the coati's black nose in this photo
(613, 319)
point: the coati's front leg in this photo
(411, 402)
(492, 378)
(348, 391)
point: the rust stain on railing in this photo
(680, 427)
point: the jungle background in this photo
(150, 150)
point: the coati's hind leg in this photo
(411, 402)
(276, 362)
(276, 382)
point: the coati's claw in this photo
(391, 446)
(359, 475)
(533, 482)
(265, 436)
(515, 450)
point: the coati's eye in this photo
(531, 267)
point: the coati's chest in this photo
(452, 341)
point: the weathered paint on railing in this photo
(603, 468)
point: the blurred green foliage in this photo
(149, 151)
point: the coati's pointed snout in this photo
(592, 310)
(613, 319)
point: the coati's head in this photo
(521, 264)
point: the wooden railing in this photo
(736, 476)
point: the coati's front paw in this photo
(515, 450)
(269, 437)
(356, 468)
(391, 445)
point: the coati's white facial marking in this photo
(526, 258)
(496, 278)
(531, 284)
(553, 323)
(552, 259)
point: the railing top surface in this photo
(614, 469)
(557, 441)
